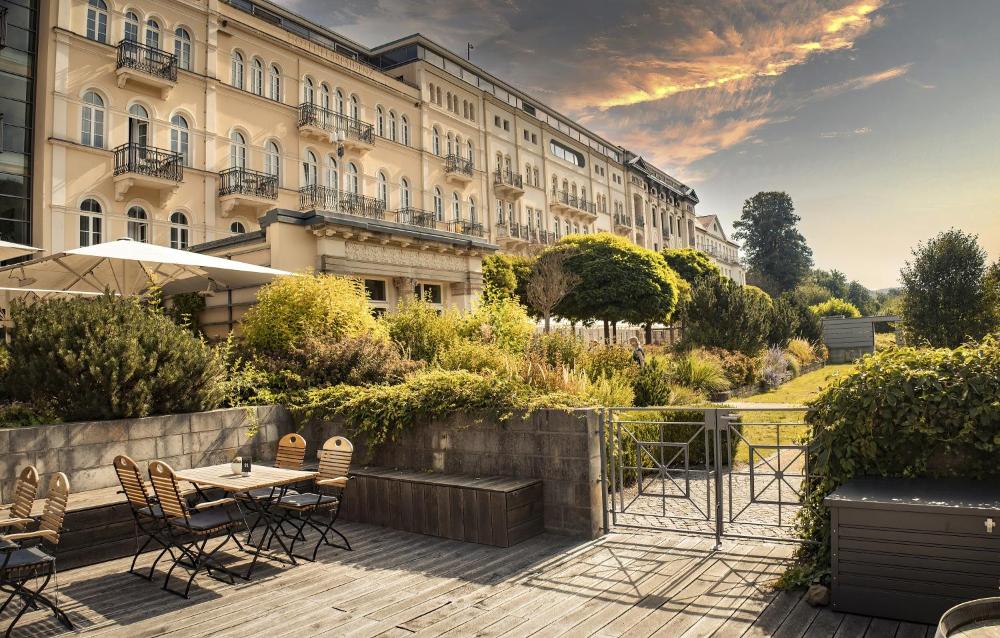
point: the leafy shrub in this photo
(609, 390)
(503, 322)
(654, 383)
(700, 373)
(109, 357)
(740, 369)
(801, 350)
(722, 314)
(607, 359)
(292, 308)
(821, 351)
(463, 354)
(16, 415)
(506, 277)
(184, 310)
(792, 317)
(558, 348)
(834, 307)
(420, 329)
(904, 412)
(4, 367)
(692, 265)
(775, 367)
(794, 366)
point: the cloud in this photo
(829, 135)
(859, 83)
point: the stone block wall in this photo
(85, 451)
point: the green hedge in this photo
(927, 413)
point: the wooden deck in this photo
(401, 584)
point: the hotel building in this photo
(711, 239)
(246, 130)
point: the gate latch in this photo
(989, 525)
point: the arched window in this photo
(138, 226)
(430, 90)
(404, 193)
(473, 214)
(237, 70)
(332, 173)
(500, 219)
(449, 100)
(275, 82)
(465, 109)
(97, 20)
(237, 150)
(352, 184)
(237, 227)
(355, 108)
(179, 230)
(456, 207)
(131, 26)
(556, 226)
(536, 177)
(340, 101)
(555, 184)
(308, 91)
(182, 48)
(392, 125)
(451, 144)
(438, 205)
(309, 169)
(92, 120)
(152, 34)
(470, 152)
(257, 77)
(179, 138)
(379, 121)
(404, 130)
(583, 193)
(527, 171)
(435, 141)
(324, 96)
(272, 159)
(138, 125)
(90, 222)
(438, 95)
(383, 189)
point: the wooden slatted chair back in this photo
(335, 458)
(131, 480)
(25, 490)
(55, 507)
(167, 492)
(291, 452)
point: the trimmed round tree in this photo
(690, 264)
(618, 281)
(835, 307)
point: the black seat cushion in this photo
(26, 557)
(268, 493)
(207, 520)
(307, 500)
(153, 511)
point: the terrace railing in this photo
(323, 118)
(148, 160)
(147, 59)
(243, 181)
(458, 164)
(315, 197)
(508, 178)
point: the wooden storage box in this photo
(910, 549)
(492, 510)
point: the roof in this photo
(711, 224)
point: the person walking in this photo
(638, 354)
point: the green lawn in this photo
(804, 388)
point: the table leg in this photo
(263, 510)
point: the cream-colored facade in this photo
(240, 125)
(711, 239)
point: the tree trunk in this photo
(649, 333)
(546, 323)
(607, 332)
(614, 331)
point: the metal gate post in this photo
(604, 467)
(718, 426)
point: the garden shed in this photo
(848, 338)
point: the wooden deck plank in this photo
(826, 624)
(852, 626)
(882, 628)
(797, 622)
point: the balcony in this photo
(623, 223)
(336, 128)
(509, 235)
(146, 67)
(420, 218)
(508, 184)
(458, 170)
(144, 167)
(541, 237)
(244, 189)
(465, 227)
(573, 205)
(324, 198)
(640, 223)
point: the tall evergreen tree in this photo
(776, 251)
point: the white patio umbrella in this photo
(9, 250)
(130, 267)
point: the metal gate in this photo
(720, 471)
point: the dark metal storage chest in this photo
(912, 548)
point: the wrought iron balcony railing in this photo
(315, 197)
(458, 164)
(574, 201)
(148, 160)
(621, 219)
(640, 222)
(313, 115)
(465, 227)
(243, 181)
(416, 217)
(147, 59)
(508, 178)
(514, 231)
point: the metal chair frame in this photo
(333, 476)
(191, 541)
(291, 456)
(30, 562)
(144, 518)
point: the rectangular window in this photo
(375, 289)
(534, 139)
(496, 120)
(506, 125)
(431, 293)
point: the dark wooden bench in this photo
(497, 511)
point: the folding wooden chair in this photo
(25, 490)
(190, 530)
(147, 516)
(22, 559)
(291, 456)
(300, 509)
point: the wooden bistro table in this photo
(261, 477)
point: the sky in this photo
(880, 118)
